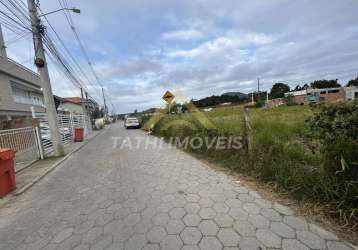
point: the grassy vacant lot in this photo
(284, 152)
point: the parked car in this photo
(131, 122)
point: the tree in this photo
(353, 82)
(278, 90)
(97, 113)
(322, 84)
(305, 86)
(216, 100)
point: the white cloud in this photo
(183, 35)
(222, 44)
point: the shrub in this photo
(336, 126)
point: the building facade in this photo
(20, 89)
(329, 95)
(351, 93)
(74, 105)
(273, 103)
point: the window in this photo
(26, 97)
(333, 91)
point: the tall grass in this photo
(284, 152)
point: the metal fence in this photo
(67, 124)
(23, 140)
(33, 143)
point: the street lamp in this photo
(75, 10)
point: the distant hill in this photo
(238, 94)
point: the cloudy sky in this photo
(141, 48)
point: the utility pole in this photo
(84, 110)
(88, 106)
(41, 64)
(2, 44)
(104, 102)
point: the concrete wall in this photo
(299, 99)
(329, 95)
(351, 93)
(276, 102)
(333, 97)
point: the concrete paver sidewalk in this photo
(150, 198)
(32, 173)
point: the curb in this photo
(26, 166)
(55, 165)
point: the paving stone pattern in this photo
(147, 198)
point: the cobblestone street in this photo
(110, 198)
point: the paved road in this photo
(149, 198)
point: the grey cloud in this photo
(307, 40)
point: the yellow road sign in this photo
(168, 97)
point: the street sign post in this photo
(168, 97)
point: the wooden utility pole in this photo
(258, 90)
(248, 131)
(37, 31)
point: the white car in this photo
(131, 122)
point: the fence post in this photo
(248, 130)
(71, 124)
(37, 132)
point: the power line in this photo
(17, 21)
(70, 58)
(69, 19)
(19, 16)
(16, 39)
(61, 60)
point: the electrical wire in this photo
(14, 17)
(64, 4)
(18, 14)
(66, 59)
(16, 39)
(60, 59)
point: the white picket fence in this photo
(34, 143)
